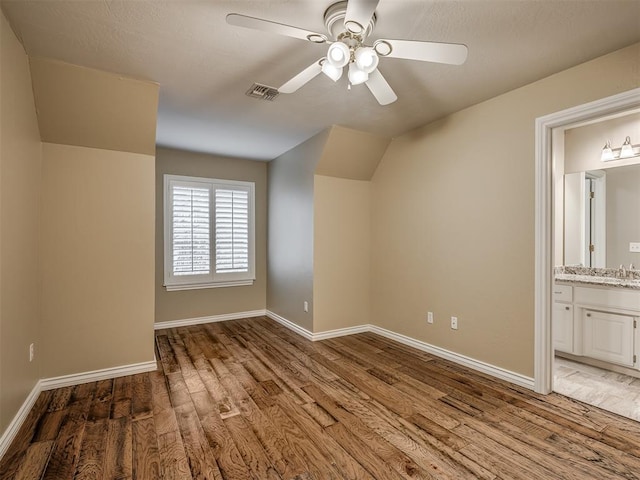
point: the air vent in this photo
(263, 92)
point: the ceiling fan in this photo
(349, 24)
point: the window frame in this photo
(212, 279)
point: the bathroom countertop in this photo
(604, 277)
(626, 283)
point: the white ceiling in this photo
(204, 66)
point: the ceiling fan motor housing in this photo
(334, 22)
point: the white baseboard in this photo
(65, 381)
(210, 319)
(341, 332)
(472, 363)
(15, 424)
(501, 373)
(96, 375)
(290, 325)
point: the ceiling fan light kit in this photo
(366, 59)
(331, 71)
(338, 54)
(350, 23)
(357, 76)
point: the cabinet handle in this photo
(566, 308)
(588, 314)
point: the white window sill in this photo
(198, 286)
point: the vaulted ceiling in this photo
(204, 66)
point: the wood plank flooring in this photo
(250, 400)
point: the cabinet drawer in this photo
(563, 293)
(608, 298)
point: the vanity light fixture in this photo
(627, 150)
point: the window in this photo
(208, 233)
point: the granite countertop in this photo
(606, 277)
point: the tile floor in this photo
(608, 390)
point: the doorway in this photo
(549, 143)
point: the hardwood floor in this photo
(248, 399)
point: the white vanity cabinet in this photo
(597, 322)
(562, 318)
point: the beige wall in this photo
(98, 236)
(92, 108)
(342, 253)
(185, 304)
(453, 227)
(20, 179)
(290, 237)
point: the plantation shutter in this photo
(191, 230)
(209, 236)
(231, 230)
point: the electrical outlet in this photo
(454, 323)
(305, 306)
(634, 247)
(32, 352)
(429, 317)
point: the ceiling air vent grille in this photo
(263, 92)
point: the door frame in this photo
(544, 203)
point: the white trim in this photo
(341, 332)
(210, 319)
(198, 286)
(290, 325)
(543, 360)
(15, 424)
(483, 367)
(97, 375)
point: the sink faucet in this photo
(622, 272)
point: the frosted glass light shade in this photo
(366, 59)
(357, 76)
(627, 149)
(334, 73)
(607, 153)
(338, 54)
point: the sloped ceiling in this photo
(90, 108)
(204, 66)
(351, 154)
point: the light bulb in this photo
(334, 73)
(338, 54)
(366, 59)
(357, 76)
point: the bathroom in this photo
(596, 289)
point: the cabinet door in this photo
(608, 337)
(562, 329)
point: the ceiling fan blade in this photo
(380, 88)
(302, 78)
(273, 27)
(451, 53)
(359, 12)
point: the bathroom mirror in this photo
(602, 217)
